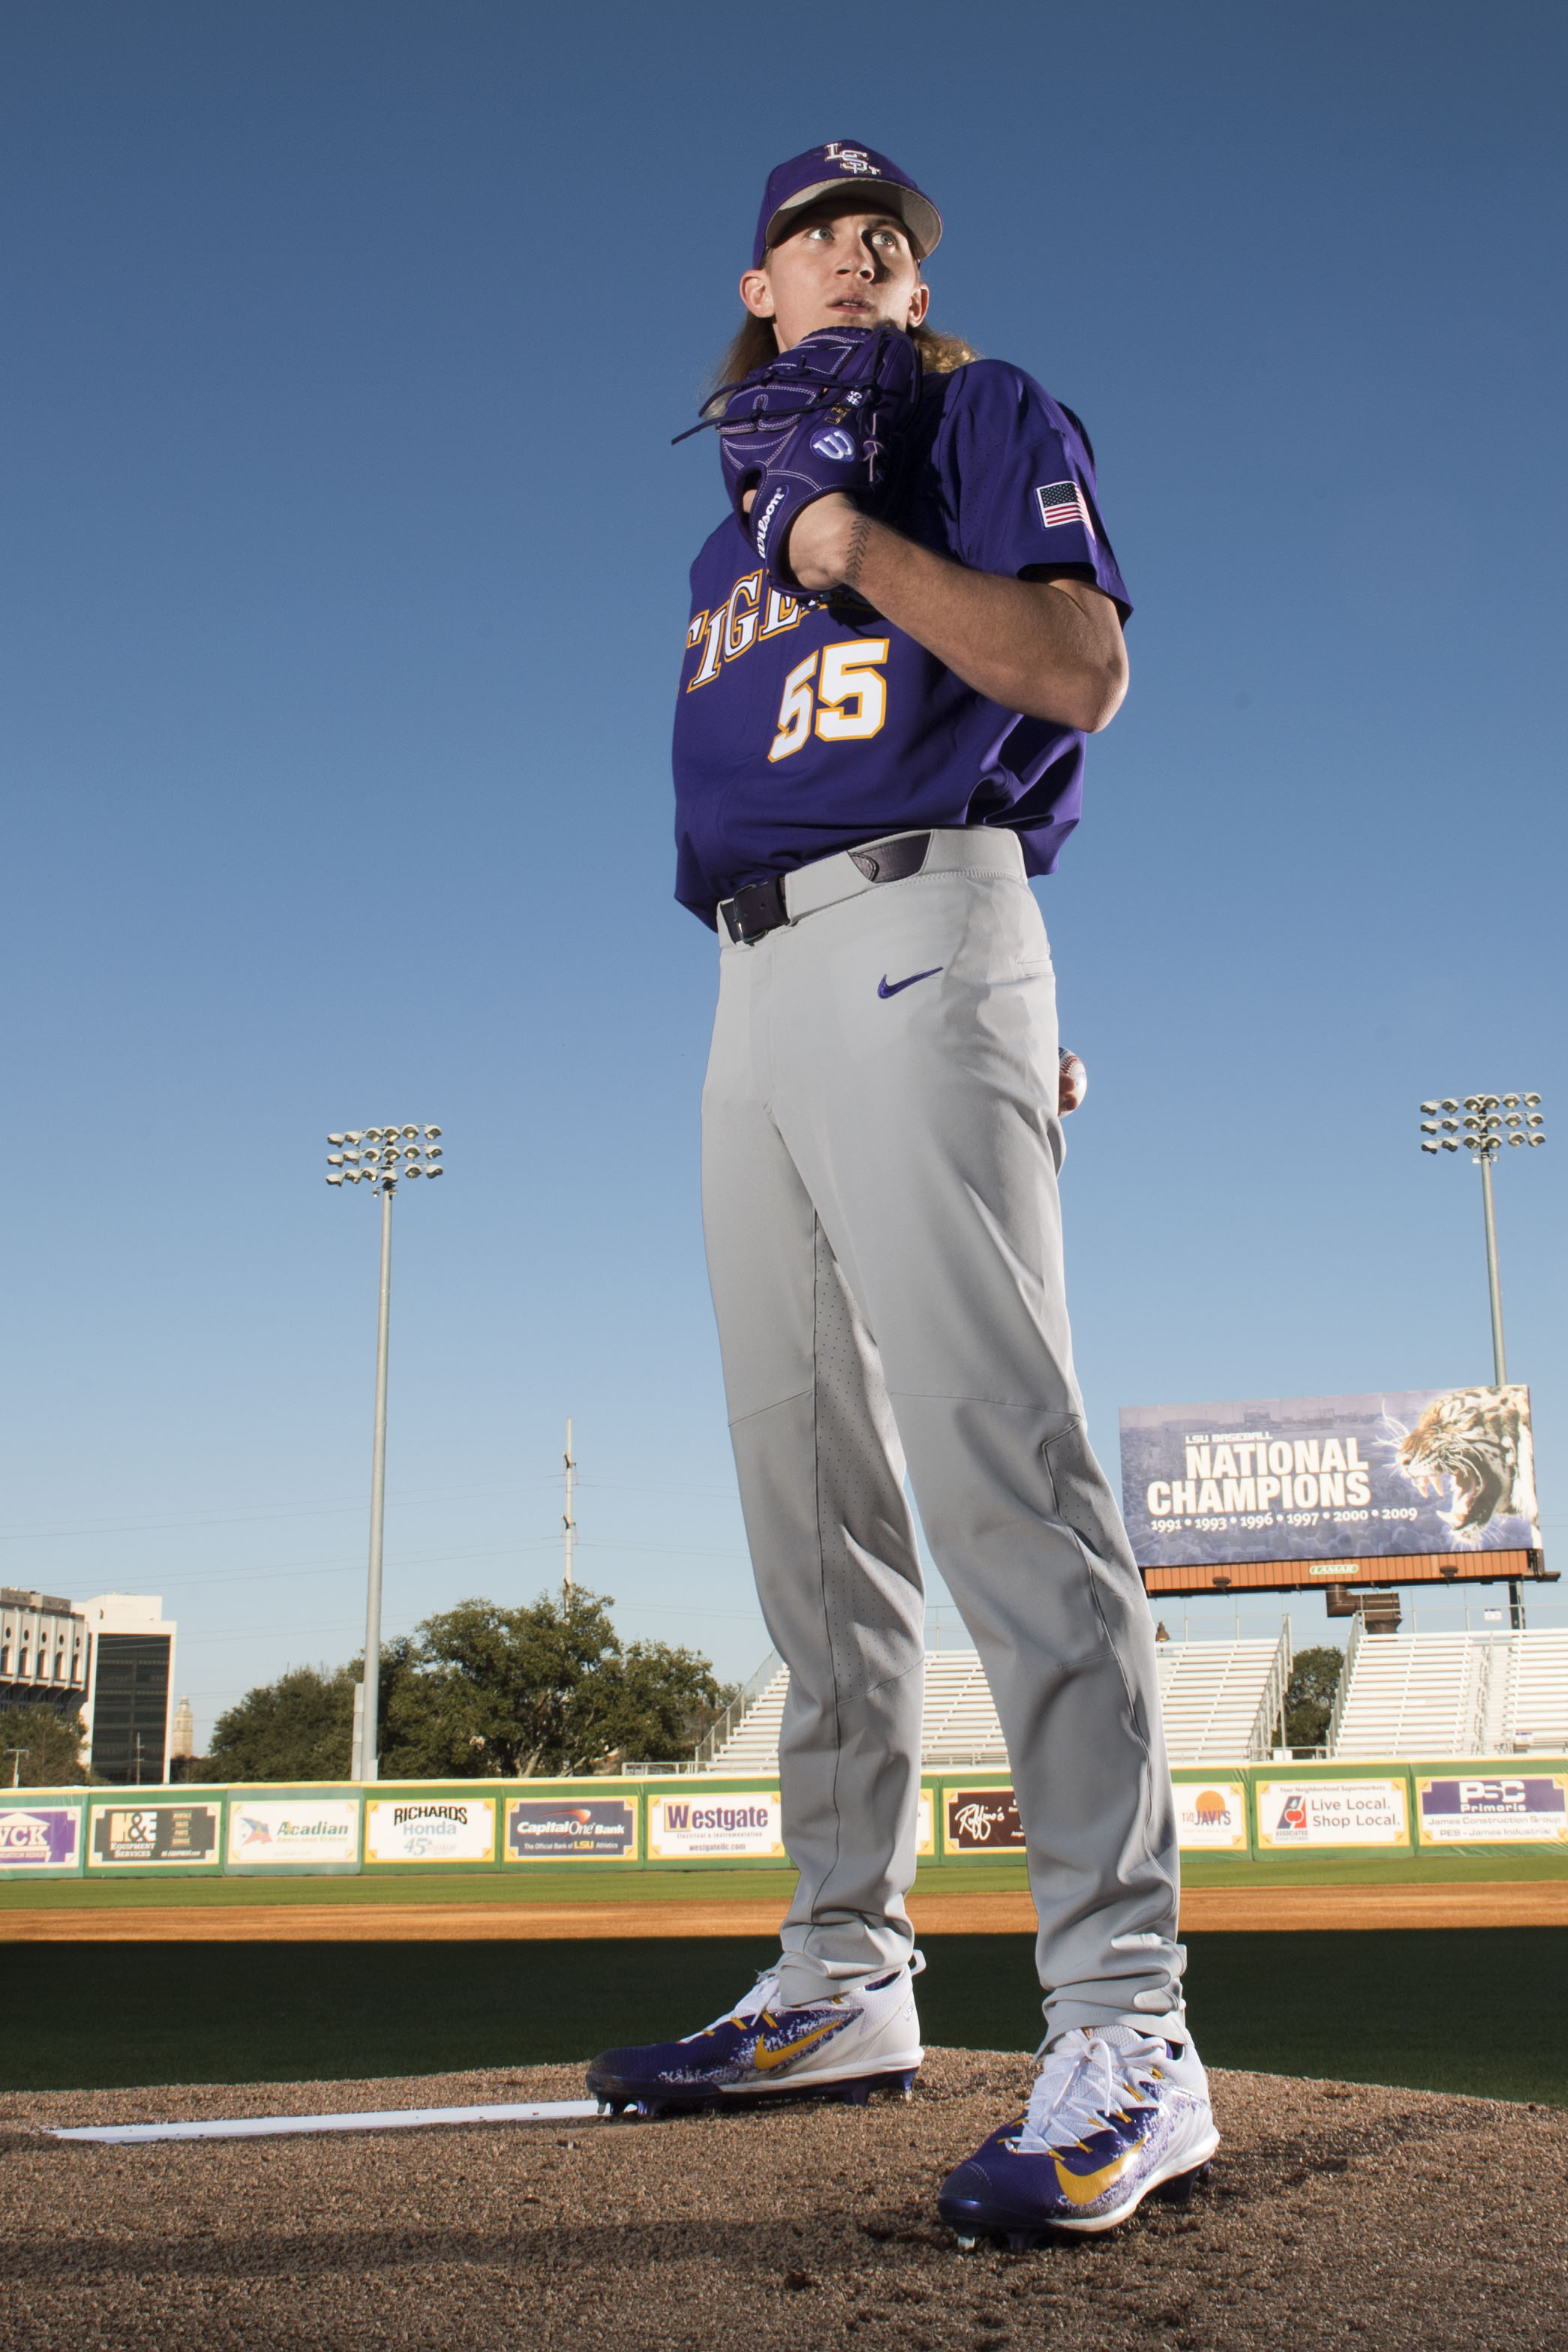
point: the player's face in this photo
(842, 266)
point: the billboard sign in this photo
(1335, 1483)
(1331, 1812)
(1211, 1816)
(1526, 1805)
(983, 1820)
(264, 1833)
(430, 1828)
(164, 1836)
(544, 1829)
(739, 1823)
(40, 1837)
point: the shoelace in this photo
(1087, 2078)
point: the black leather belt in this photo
(760, 909)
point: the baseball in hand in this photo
(1072, 1082)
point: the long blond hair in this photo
(753, 344)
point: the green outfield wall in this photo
(336, 1829)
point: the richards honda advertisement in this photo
(1330, 1478)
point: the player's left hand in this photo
(1072, 1082)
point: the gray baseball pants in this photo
(879, 1167)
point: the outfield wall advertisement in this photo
(429, 1828)
(271, 1834)
(1452, 1812)
(695, 1826)
(149, 1836)
(1304, 1812)
(35, 1838)
(552, 1829)
(1340, 1480)
(1211, 1816)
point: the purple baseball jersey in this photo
(797, 733)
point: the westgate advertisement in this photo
(1336, 1479)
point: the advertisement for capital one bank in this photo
(1272, 1478)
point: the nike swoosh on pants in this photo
(885, 987)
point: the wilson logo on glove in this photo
(821, 418)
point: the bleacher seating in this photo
(1412, 1694)
(1535, 1720)
(1213, 1695)
(1437, 1695)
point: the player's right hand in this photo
(1072, 1082)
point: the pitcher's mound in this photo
(1337, 2215)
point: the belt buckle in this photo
(755, 911)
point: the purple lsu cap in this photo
(843, 164)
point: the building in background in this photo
(46, 1650)
(130, 1694)
(183, 1738)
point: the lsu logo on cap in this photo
(850, 159)
(837, 444)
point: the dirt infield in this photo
(1539, 1903)
(1337, 2215)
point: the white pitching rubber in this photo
(546, 2111)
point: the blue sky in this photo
(344, 581)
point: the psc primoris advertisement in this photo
(1274, 1479)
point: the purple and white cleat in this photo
(1114, 2116)
(845, 2046)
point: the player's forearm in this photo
(1028, 644)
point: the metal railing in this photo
(1343, 1690)
(735, 1714)
(1271, 1706)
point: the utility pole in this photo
(568, 1523)
(1490, 1122)
(17, 1754)
(379, 1156)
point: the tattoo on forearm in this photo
(855, 554)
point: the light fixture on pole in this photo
(1488, 1122)
(380, 1157)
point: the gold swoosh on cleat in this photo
(1083, 2188)
(765, 2060)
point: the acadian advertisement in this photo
(1331, 1812)
(543, 1829)
(40, 1837)
(1338, 1479)
(266, 1833)
(1529, 1805)
(171, 1836)
(741, 1822)
(430, 1828)
(1211, 1816)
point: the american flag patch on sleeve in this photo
(1062, 503)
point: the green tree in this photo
(48, 1741)
(298, 1729)
(545, 1688)
(1309, 1696)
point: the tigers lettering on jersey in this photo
(732, 629)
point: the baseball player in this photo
(900, 635)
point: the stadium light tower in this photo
(380, 1157)
(1489, 1121)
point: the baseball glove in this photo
(822, 416)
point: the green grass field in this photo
(1451, 1866)
(1475, 2010)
